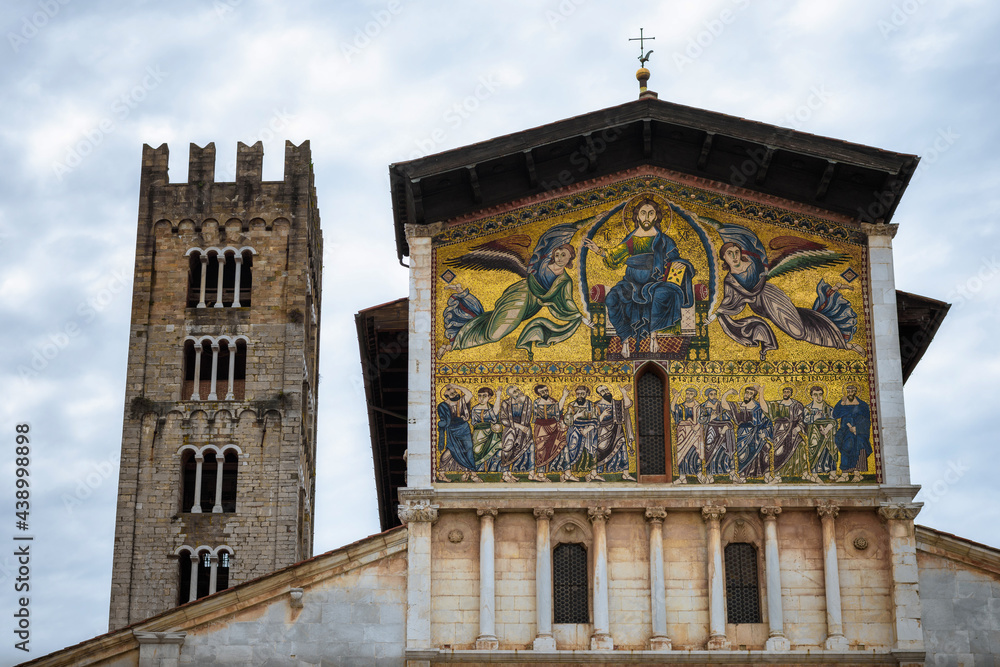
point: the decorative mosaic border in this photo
(638, 184)
(514, 369)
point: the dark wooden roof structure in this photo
(919, 319)
(859, 181)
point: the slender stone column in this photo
(213, 573)
(196, 393)
(221, 257)
(220, 461)
(544, 641)
(712, 514)
(232, 372)
(418, 515)
(772, 571)
(601, 639)
(236, 283)
(906, 610)
(657, 586)
(212, 396)
(193, 587)
(835, 640)
(199, 459)
(204, 279)
(487, 639)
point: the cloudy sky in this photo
(85, 84)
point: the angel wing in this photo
(798, 254)
(506, 254)
(549, 241)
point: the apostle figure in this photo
(485, 429)
(657, 282)
(819, 454)
(720, 444)
(580, 417)
(614, 434)
(517, 449)
(548, 432)
(852, 437)
(455, 434)
(789, 427)
(754, 432)
(690, 436)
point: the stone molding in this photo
(415, 231)
(879, 229)
(656, 514)
(295, 595)
(598, 514)
(713, 512)
(828, 510)
(418, 511)
(159, 637)
(486, 511)
(770, 512)
(900, 511)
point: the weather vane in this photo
(641, 39)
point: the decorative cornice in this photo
(770, 512)
(655, 514)
(543, 513)
(713, 512)
(828, 510)
(418, 511)
(414, 231)
(879, 229)
(900, 511)
(159, 637)
(486, 511)
(596, 514)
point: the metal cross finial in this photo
(641, 39)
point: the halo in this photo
(661, 205)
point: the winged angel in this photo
(831, 322)
(545, 283)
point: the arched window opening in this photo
(194, 280)
(229, 361)
(222, 576)
(245, 281)
(209, 476)
(189, 472)
(219, 280)
(742, 591)
(184, 570)
(230, 471)
(652, 426)
(570, 589)
(204, 573)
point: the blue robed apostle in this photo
(852, 436)
(455, 433)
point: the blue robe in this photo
(854, 448)
(644, 301)
(753, 432)
(455, 434)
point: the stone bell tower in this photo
(218, 445)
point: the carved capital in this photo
(713, 512)
(828, 510)
(598, 514)
(770, 512)
(543, 513)
(415, 231)
(879, 229)
(656, 514)
(900, 511)
(486, 511)
(417, 511)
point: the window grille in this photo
(652, 451)
(222, 574)
(742, 593)
(569, 564)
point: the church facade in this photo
(653, 415)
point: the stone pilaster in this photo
(657, 585)
(601, 639)
(544, 641)
(159, 649)
(420, 401)
(418, 516)
(903, 565)
(487, 639)
(717, 641)
(776, 640)
(835, 640)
